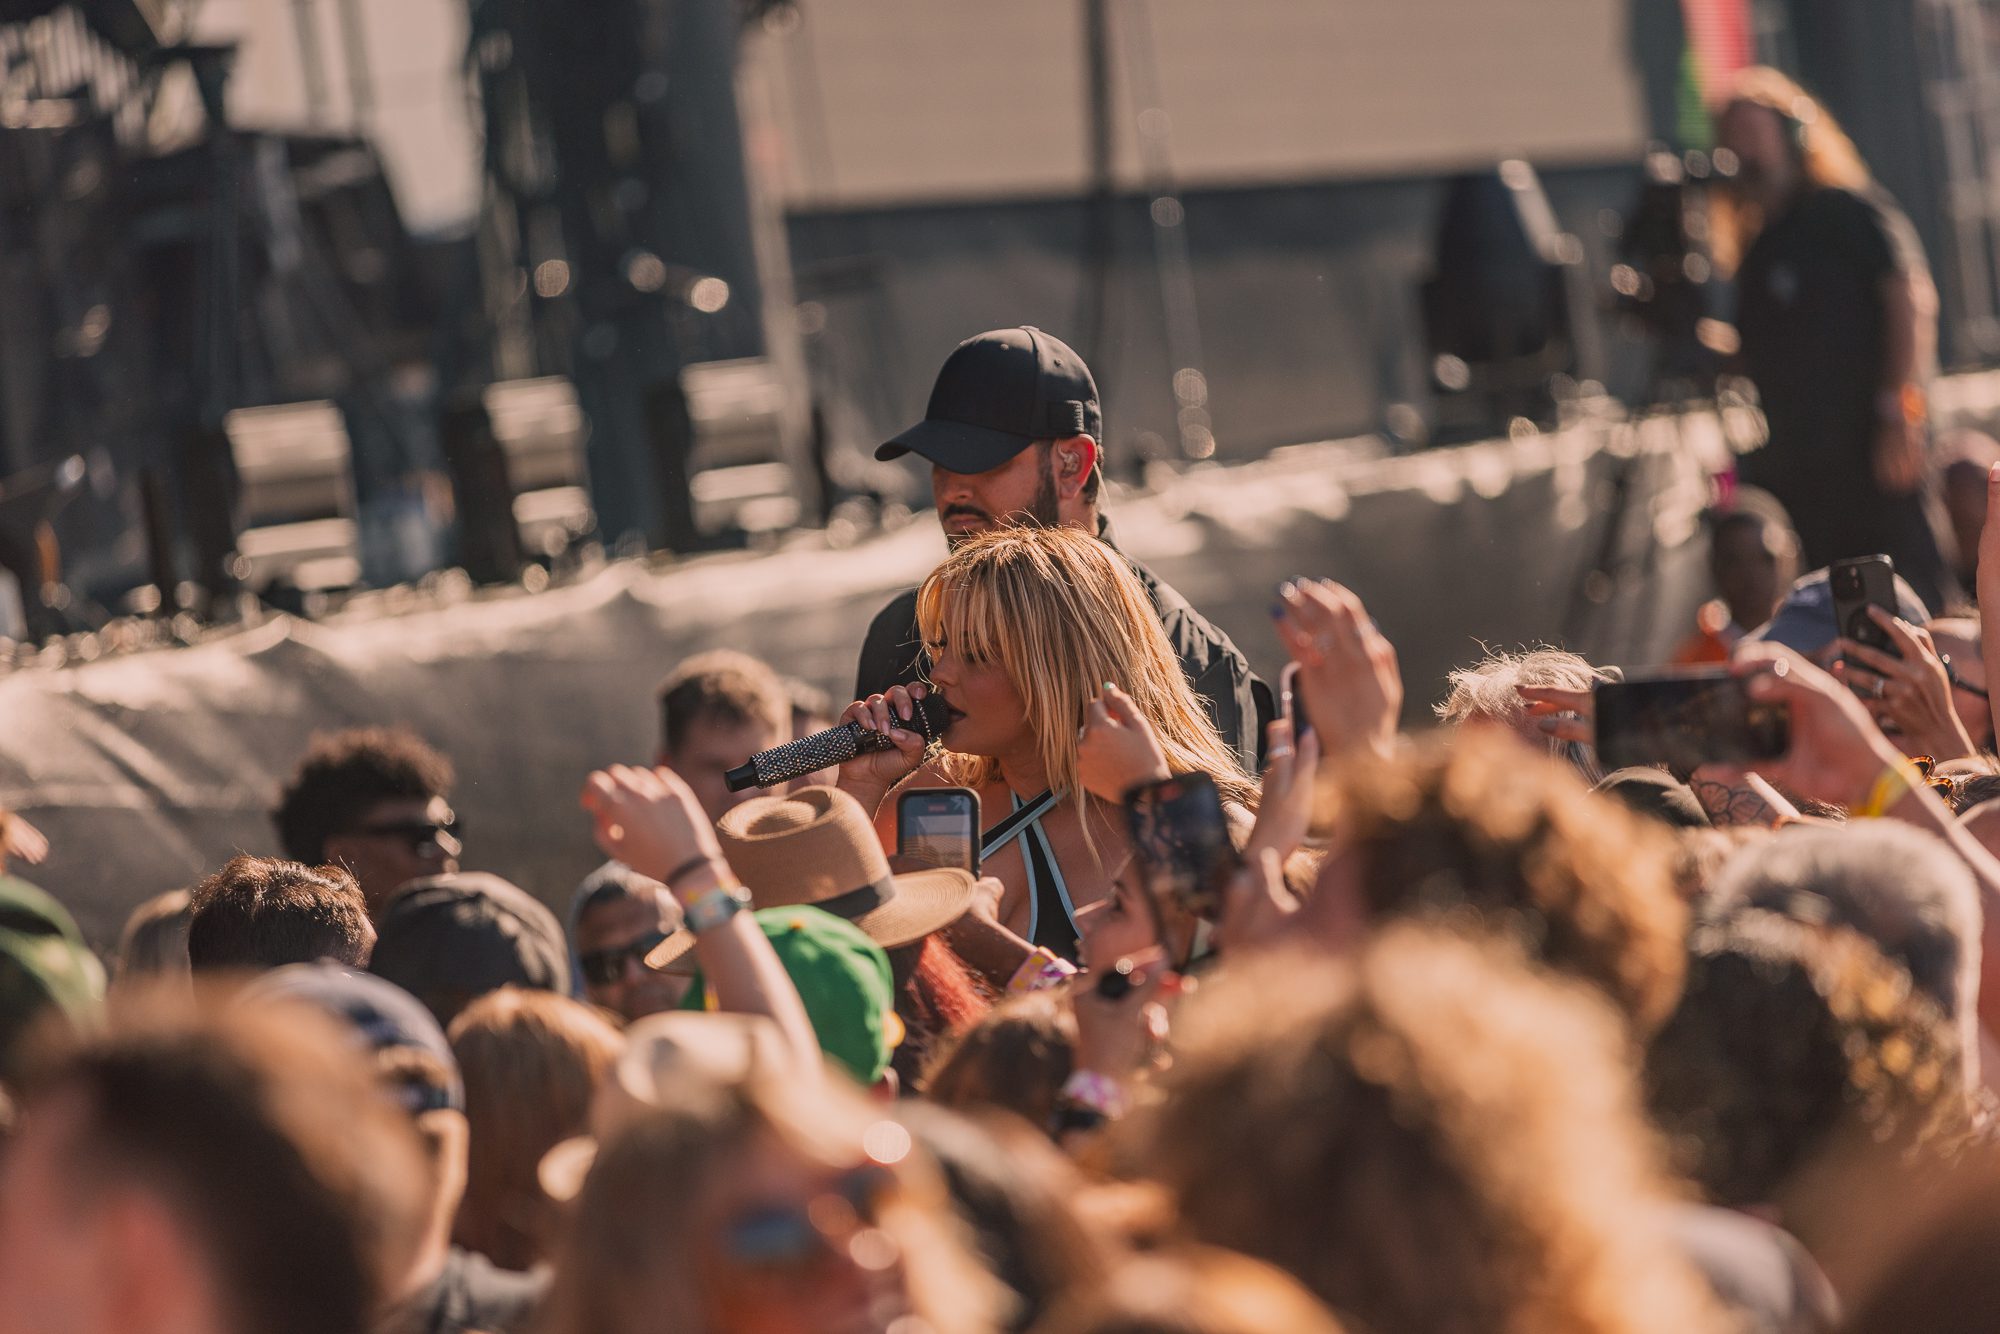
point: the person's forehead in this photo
(405, 810)
(619, 918)
(725, 736)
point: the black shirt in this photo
(1238, 703)
(1811, 315)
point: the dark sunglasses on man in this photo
(601, 968)
(434, 840)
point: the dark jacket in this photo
(1238, 703)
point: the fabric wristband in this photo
(1896, 781)
(715, 907)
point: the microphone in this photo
(836, 745)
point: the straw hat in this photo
(817, 846)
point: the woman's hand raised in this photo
(1117, 749)
(868, 777)
(1348, 673)
(649, 819)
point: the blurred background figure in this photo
(373, 800)
(47, 973)
(716, 711)
(207, 1168)
(1753, 557)
(629, 947)
(154, 941)
(1964, 459)
(1838, 320)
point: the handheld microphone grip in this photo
(823, 750)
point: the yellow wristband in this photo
(1895, 782)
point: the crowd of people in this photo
(1427, 1031)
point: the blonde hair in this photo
(1827, 157)
(530, 1061)
(1062, 613)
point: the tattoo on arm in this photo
(1728, 805)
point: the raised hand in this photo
(1836, 752)
(1285, 806)
(20, 840)
(649, 819)
(1348, 673)
(1117, 748)
(1566, 715)
(1912, 693)
(877, 771)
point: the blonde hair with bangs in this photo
(1062, 613)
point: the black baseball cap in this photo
(997, 394)
(450, 939)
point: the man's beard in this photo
(1044, 511)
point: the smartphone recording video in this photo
(1685, 719)
(1291, 704)
(1858, 584)
(939, 827)
(1180, 838)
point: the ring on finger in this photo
(1280, 752)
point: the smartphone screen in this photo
(1180, 838)
(1291, 704)
(939, 827)
(1686, 719)
(1858, 584)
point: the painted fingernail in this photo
(1108, 686)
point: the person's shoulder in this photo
(897, 612)
(1837, 205)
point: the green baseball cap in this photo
(844, 979)
(44, 962)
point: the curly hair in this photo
(1478, 827)
(1785, 1029)
(1017, 1058)
(344, 774)
(1431, 1138)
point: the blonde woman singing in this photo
(1049, 658)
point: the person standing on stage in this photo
(1014, 436)
(1838, 321)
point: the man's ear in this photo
(1074, 459)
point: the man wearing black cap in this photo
(1014, 435)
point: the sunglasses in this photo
(601, 968)
(425, 838)
(790, 1240)
(1958, 682)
